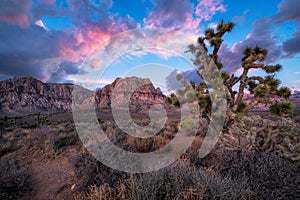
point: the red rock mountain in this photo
(27, 95)
(21, 96)
(142, 98)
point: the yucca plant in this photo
(264, 89)
(282, 109)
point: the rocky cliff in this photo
(21, 96)
(140, 99)
(26, 95)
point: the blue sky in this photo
(50, 39)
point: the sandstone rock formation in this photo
(27, 95)
(141, 99)
(20, 96)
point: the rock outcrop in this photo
(27, 95)
(140, 98)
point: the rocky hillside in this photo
(142, 98)
(26, 95)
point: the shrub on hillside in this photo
(14, 180)
(180, 180)
(268, 175)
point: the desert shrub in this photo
(268, 175)
(89, 171)
(14, 180)
(181, 180)
(159, 142)
(65, 140)
(282, 108)
(11, 141)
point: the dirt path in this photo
(50, 180)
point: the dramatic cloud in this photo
(28, 47)
(15, 12)
(94, 24)
(62, 70)
(182, 14)
(291, 46)
(261, 36)
(169, 14)
(190, 75)
(206, 9)
(289, 12)
(47, 1)
(32, 51)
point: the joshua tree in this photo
(1, 126)
(173, 100)
(260, 87)
(37, 119)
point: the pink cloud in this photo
(40, 23)
(170, 14)
(47, 1)
(20, 20)
(16, 12)
(207, 8)
(75, 50)
(182, 14)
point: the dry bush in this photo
(193, 151)
(12, 141)
(268, 175)
(65, 139)
(49, 140)
(89, 171)
(14, 180)
(103, 192)
(181, 180)
(154, 143)
(159, 142)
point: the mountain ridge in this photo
(21, 96)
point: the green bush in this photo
(282, 109)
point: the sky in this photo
(51, 39)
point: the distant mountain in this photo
(27, 95)
(264, 107)
(141, 99)
(296, 94)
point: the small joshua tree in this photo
(260, 87)
(37, 119)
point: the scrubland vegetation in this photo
(226, 173)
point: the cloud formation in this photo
(206, 9)
(261, 36)
(173, 84)
(169, 14)
(182, 14)
(15, 12)
(28, 47)
(241, 19)
(289, 12)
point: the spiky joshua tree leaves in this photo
(264, 89)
